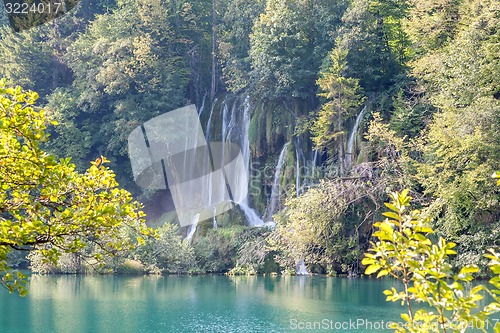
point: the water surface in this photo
(71, 303)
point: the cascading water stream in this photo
(202, 107)
(226, 129)
(253, 219)
(192, 228)
(297, 172)
(275, 190)
(235, 127)
(209, 123)
(209, 185)
(313, 167)
(349, 155)
(300, 268)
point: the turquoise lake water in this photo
(199, 304)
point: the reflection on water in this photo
(71, 303)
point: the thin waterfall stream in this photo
(349, 155)
(275, 190)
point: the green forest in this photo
(348, 101)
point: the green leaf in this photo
(405, 317)
(367, 261)
(468, 269)
(392, 215)
(372, 269)
(391, 207)
(477, 289)
(382, 272)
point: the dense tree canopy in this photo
(288, 44)
(460, 148)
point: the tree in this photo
(460, 147)
(26, 59)
(405, 250)
(45, 205)
(344, 98)
(34, 58)
(366, 34)
(430, 23)
(311, 228)
(393, 13)
(325, 225)
(288, 44)
(234, 46)
(168, 253)
(217, 251)
(130, 65)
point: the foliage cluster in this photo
(46, 205)
(405, 248)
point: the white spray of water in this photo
(301, 268)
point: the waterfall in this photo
(314, 162)
(349, 155)
(253, 219)
(235, 118)
(275, 190)
(225, 120)
(227, 123)
(209, 185)
(192, 228)
(300, 268)
(235, 126)
(297, 166)
(202, 107)
(209, 123)
(297, 172)
(299, 159)
(214, 220)
(245, 143)
(310, 171)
